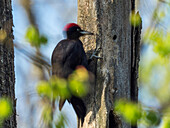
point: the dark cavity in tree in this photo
(114, 37)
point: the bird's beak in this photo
(86, 32)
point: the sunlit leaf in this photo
(59, 87)
(5, 108)
(53, 88)
(32, 35)
(77, 88)
(79, 82)
(166, 122)
(135, 19)
(34, 38)
(44, 89)
(130, 111)
(81, 74)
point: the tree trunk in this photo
(7, 76)
(116, 74)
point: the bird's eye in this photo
(78, 29)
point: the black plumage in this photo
(67, 55)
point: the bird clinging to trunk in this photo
(67, 55)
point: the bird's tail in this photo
(79, 108)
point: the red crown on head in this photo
(66, 28)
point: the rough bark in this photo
(116, 39)
(7, 76)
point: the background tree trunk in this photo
(116, 74)
(7, 76)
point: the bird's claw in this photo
(97, 57)
(94, 54)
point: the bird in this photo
(67, 55)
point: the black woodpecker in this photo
(67, 55)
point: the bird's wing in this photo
(66, 57)
(59, 56)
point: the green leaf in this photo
(44, 89)
(5, 108)
(43, 39)
(130, 111)
(153, 118)
(34, 38)
(166, 122)
(79, 82)
(135, 19)
(78, 88)
(32, 35)
(60, 88)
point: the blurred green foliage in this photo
(5, 109)
(166, 122)
(53, 88)
(159, 40)
(130, 111)
(77, 84)
(152, 117)
(34, 38)
(44, 89)
(135, 19)
(133, 112)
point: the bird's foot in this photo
(97, 57)
(94, 54)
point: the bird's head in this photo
(73, 31)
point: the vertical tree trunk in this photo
(7, 76)
(116, 39)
